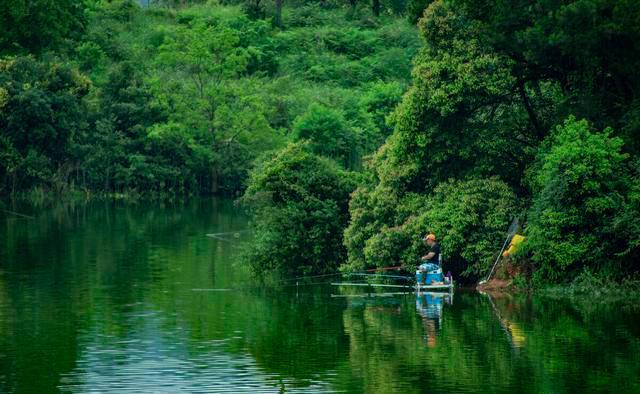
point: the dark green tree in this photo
(491, 83)
(41, 113)
(35, 25)
(300, 202)
(415, 9)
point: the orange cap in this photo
(430, 237)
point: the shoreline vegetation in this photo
(587, 287)
(347, 129)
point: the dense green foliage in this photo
(300, 202)
(521, 108)
(41, 112)
(579, 186)
(32, 26)
(491, 84)
(471, 216)
(183, 97)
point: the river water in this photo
(135, 298)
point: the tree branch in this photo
(529, 107)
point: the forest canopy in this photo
(350, 128)
(535, 98)
(182, 98)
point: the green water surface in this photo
(116, 297)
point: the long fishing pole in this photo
(510, 233)
(368, 271)
(406, 277)
(18, 214)
(398, 267)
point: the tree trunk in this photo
(277, 20)
(375, 7)
(530, 111)
(14, 181)
(214, 179)
(106, 181)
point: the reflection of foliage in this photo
(110, 259)
(121, 272)
(387, 354)
(295, 337)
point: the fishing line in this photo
(18, 214)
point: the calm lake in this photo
(118, 297)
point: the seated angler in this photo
(431, 260)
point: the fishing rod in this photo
(287, 282)
(398, 267)
(405, 277)
(513, 229)
(359, 273)
(18, 214)
(303, 280)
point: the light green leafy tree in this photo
(203, 60)
(579, 187)
(327, 132)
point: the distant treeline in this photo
(182, 97)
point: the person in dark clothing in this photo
(430, 261)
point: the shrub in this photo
(300, 203)
(579, 182)
(306, 16)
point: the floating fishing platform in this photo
(417, 288)
(390, 294)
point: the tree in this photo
(579, 186)
(36, 25)
(128, 100)
(353, 4)
(277, 18)
(41, 113)
(380, 99)
(254, 9)
(415, 9)
(491, 83)
(105, 157)
(300, 203)
(327, 132)
(206, 57)
(375, 7)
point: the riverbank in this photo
(586, 288)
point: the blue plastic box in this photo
(434, 278)
(428, 278)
